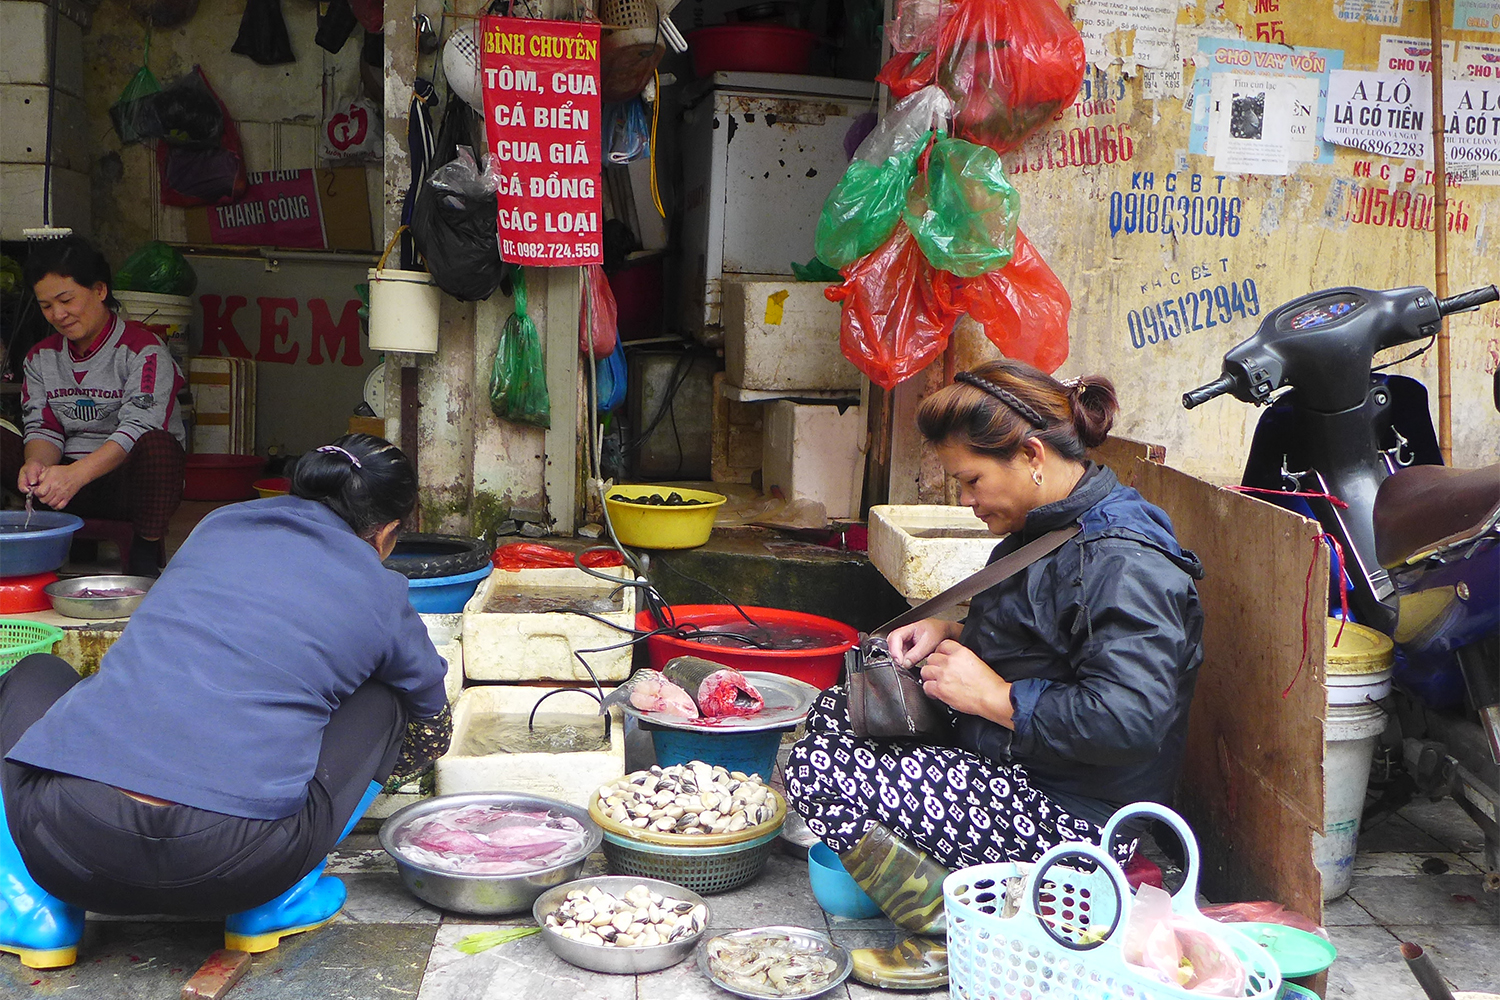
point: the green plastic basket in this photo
(704, 870)
(21, 638)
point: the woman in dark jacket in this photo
(241, 725)
(1068, 683)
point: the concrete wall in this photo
(1295, 234)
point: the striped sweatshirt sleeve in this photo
(150, 389)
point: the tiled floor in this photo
(386, 945)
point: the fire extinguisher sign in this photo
(541, 112)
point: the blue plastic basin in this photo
(752, 753)
(42, 547)
(833, 887)
(445, 595)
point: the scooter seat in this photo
(1424, 506)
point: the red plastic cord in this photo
(1291, 493)
(1338, 553)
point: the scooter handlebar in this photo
(1468, 300)
(1202, 394)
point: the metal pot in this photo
(486, 894)
(607, 958)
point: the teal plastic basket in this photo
(705, 870)
(1065, 943)
(19, 639)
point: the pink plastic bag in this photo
(597, 314)
(1263, 912)
(898, 310)
(1176, 952)
(1022, 306)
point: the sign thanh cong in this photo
(541, 111)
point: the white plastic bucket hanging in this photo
(403, 308)
(1359, 672)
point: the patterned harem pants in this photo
(958, 807)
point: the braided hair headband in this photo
(1010, 399)
(333, 449)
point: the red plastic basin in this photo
(817, 666)
(20, 595)
(222, 477)
(750, 48)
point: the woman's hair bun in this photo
(1094, 407)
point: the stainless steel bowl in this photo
(65, 601)
(815, 941)
(485, 894)
(606, 958)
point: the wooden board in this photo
(1252, 782)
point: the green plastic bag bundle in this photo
(159, 268)
(134, 112)
(963, 210)
(518, 380)
(862, 210)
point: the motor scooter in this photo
(1420, 543)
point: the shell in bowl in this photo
(614, 958)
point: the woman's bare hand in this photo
(956, 676)
(911, 644)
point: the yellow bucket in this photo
(1360, 650)
(659, 526)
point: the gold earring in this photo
(1036, 476)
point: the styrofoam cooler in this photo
(812, 452)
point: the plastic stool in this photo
(122, 533)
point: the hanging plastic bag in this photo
(597, 314)
(455, 226)
(610, 378)
(134, 112)
(1009, 67)
(262, 35)
(898, 311)
(190, 113)
(353, 133)
(627, 131)
(201, 161)
(159, 268)
(868, 200)
(915, 25)
(963, 209)
(1023, 308)
(518, 378)
(905, 73)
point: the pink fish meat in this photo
(719, 691)
(651, 692)
(490, 840)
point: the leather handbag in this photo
(886, 700)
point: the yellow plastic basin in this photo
(661, 527)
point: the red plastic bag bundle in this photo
(597, 315)
(534, 555)
(1009, 66)
(898, 310)
(1022, 306)
(908, 72)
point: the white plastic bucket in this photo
(1348, 748)
(1359, 667)
(403, 311)
(167, 316)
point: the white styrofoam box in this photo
(25, 40)
(21, 208)
(444, 628)
(23, 109)
(570, 777)
(783, 335)
(539, 645)
(814, 452)
(453, 682)
(923, 549)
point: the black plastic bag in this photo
(190, 113)
(456, 229)
(263, 34)
(335, 26)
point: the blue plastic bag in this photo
(627, 131)
(611, 377)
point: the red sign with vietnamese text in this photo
(541, 113)
(280, 209)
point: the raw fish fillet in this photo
(652, 692)
(719, 691)
(490, 840)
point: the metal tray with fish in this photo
(782, 978)
(788, 701)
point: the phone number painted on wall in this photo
(1133, 212)
(1200, 309)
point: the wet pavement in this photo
(387, 945)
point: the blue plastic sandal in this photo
(309, 904)
(35, 925)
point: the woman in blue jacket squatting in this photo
(1068, 685)
(271, 682)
